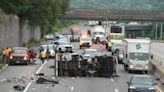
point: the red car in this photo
(19, 55)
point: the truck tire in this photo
(125, 67)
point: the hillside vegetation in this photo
(119, 4)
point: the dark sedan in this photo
(141, 83)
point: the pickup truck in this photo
(19, 55)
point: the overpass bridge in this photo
(115, 15)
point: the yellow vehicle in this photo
(114, 38)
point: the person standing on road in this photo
(31, 55)
(43, 56)
(7, 53)
(3, 54)
(48, 52)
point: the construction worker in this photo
(7, 53)
(43, 56)
(32, 55)
(3, 54)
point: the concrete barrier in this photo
(157, 70)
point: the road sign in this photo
(138, 46)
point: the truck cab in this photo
(114, 38)
(136, 55)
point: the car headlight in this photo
(131, 87)
(152, 88)
(146, 66)
(25, 58)
(11, 57)
(131, 66)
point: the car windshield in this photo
(142, 81)
(118, 45)
(89, 51)
(139, 56)
(20, 51)
(85, 39)
(47, 46)
(64, 43)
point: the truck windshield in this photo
(139, 56)
(117, 37)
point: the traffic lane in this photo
(16, 71)
(68, 84)
(83, 84)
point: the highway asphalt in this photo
(66, 84)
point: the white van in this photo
(136, 54)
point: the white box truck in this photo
(136, 55)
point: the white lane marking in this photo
(72, 88)
(112, 79)
(28, 86)
(116, 90)
(159, 89)
(41, 67)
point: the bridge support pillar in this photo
(143, 33)
(161, 31)
(156, 30)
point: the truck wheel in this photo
(125, 67)
(109, 48)
(146, 72)
(129, 71)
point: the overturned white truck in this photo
(136, 55)
(100, 66)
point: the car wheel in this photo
(26, 63)
(10, 63)
(146, 72)
(129, 71)
(80, 47)
(71, 51)
(60, 51)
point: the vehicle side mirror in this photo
(162, 83)
(107, 38)
(128, 83)
(158, 79)
(151, 57)
(155, 83)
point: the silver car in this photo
(117, 49)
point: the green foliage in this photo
(119, 4)
(2, 65)
(38, 12)
(32, 43)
